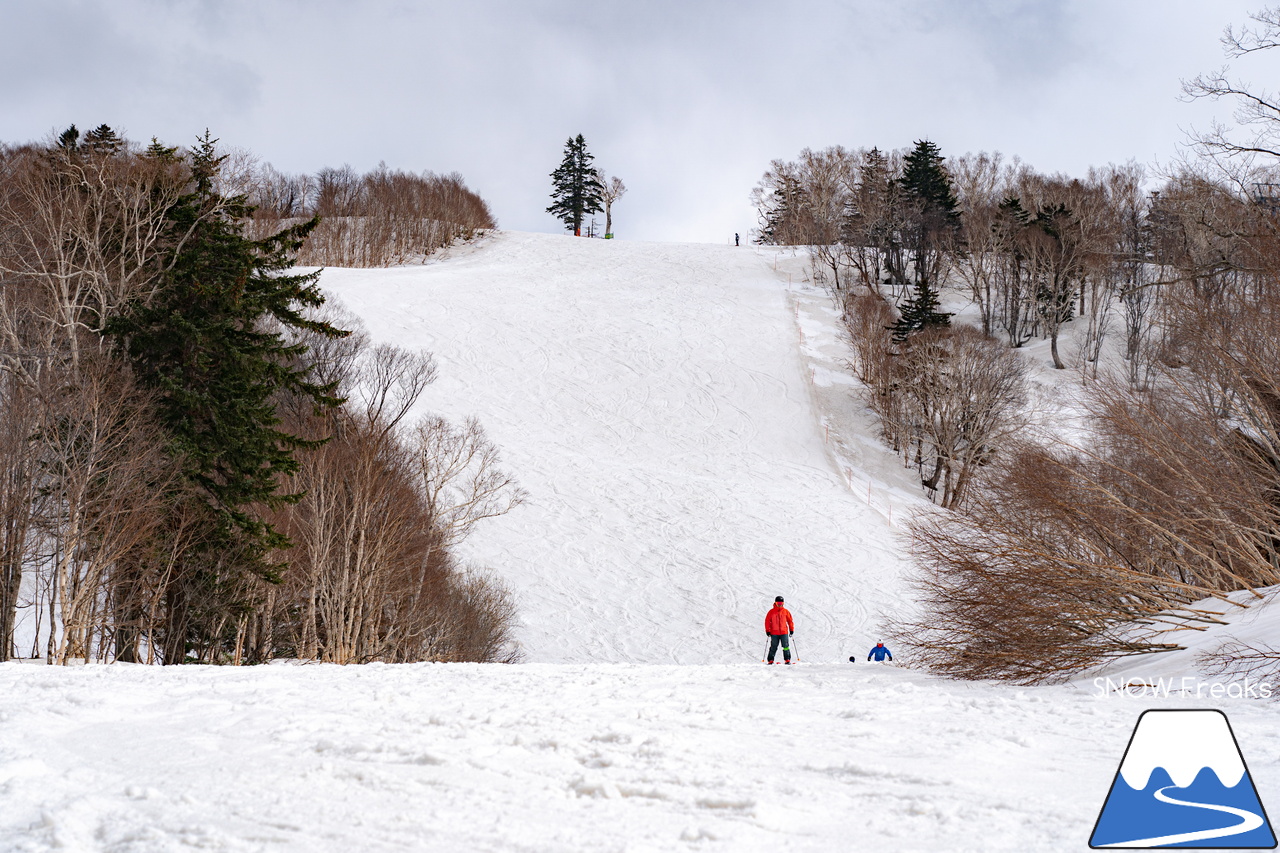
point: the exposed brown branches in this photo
(383, 218)
(106, 548)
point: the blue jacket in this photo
(880, 653)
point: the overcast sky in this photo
(686, 101)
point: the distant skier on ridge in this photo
(779, 627)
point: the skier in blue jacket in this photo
(880, 652)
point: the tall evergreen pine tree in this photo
(924, 179)
(936, 219)
(209, 342)
(102, 140)
(576, 192)
(69, 138)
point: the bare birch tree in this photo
(611, 189)
(963, 395)
(982, 181)
(105, 477)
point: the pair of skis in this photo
(791, 639)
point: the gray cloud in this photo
(687, 102)
(81, 62)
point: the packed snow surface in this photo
(733, 758)
(684, 425)
(655, 401)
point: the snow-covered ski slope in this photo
(681, 419)
(447, 758)
(657, 403)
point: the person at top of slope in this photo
(779, 627)
(880, 652)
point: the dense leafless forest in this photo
(199, 459)
(382, 218)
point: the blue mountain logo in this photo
(1183, 783)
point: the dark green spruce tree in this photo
(931, 225)
(102, 140)
(921, 311)
(209, 341)
(69, 138)
(925, 179)
(576, 189)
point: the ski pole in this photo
(794, 650)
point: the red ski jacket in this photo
(778, 620)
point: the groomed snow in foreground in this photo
(541, 757)
(681, 420)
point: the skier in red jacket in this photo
(779, 627)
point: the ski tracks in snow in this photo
(653, 400)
